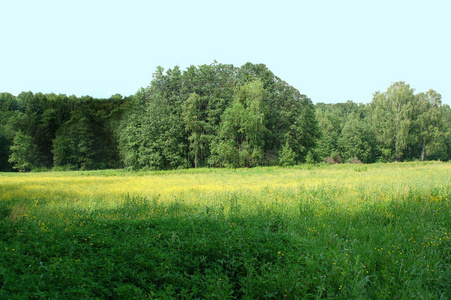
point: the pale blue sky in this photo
(332, 51)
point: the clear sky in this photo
(332, 51)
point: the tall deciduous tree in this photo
(330, 130)
(22, 152)
(391, 116)
(303, 133)
(194, 115)
(357, 140)
(242, 132)
(432, 133)
(153, 134)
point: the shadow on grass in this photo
(145, 248)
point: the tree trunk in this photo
(423, 150)
(195, 160)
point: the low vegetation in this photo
(311, 231)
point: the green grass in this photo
(355, 241)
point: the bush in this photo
(354, 160)
(310, 158)
(333, 160)
(287, 157)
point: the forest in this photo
(218, 115)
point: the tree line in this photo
(218, 115)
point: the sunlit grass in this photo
(348, 231)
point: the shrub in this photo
(333, 160)
(310, 159)
(287, 156)
(354, 160)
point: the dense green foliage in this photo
(397, 125)
(218, 115)
(42, 131)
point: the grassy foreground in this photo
(346, 232)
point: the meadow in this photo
(378, 231)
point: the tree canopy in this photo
(218, 115)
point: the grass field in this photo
(377, 231)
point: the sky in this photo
(331, 51)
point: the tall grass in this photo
(377, 231)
